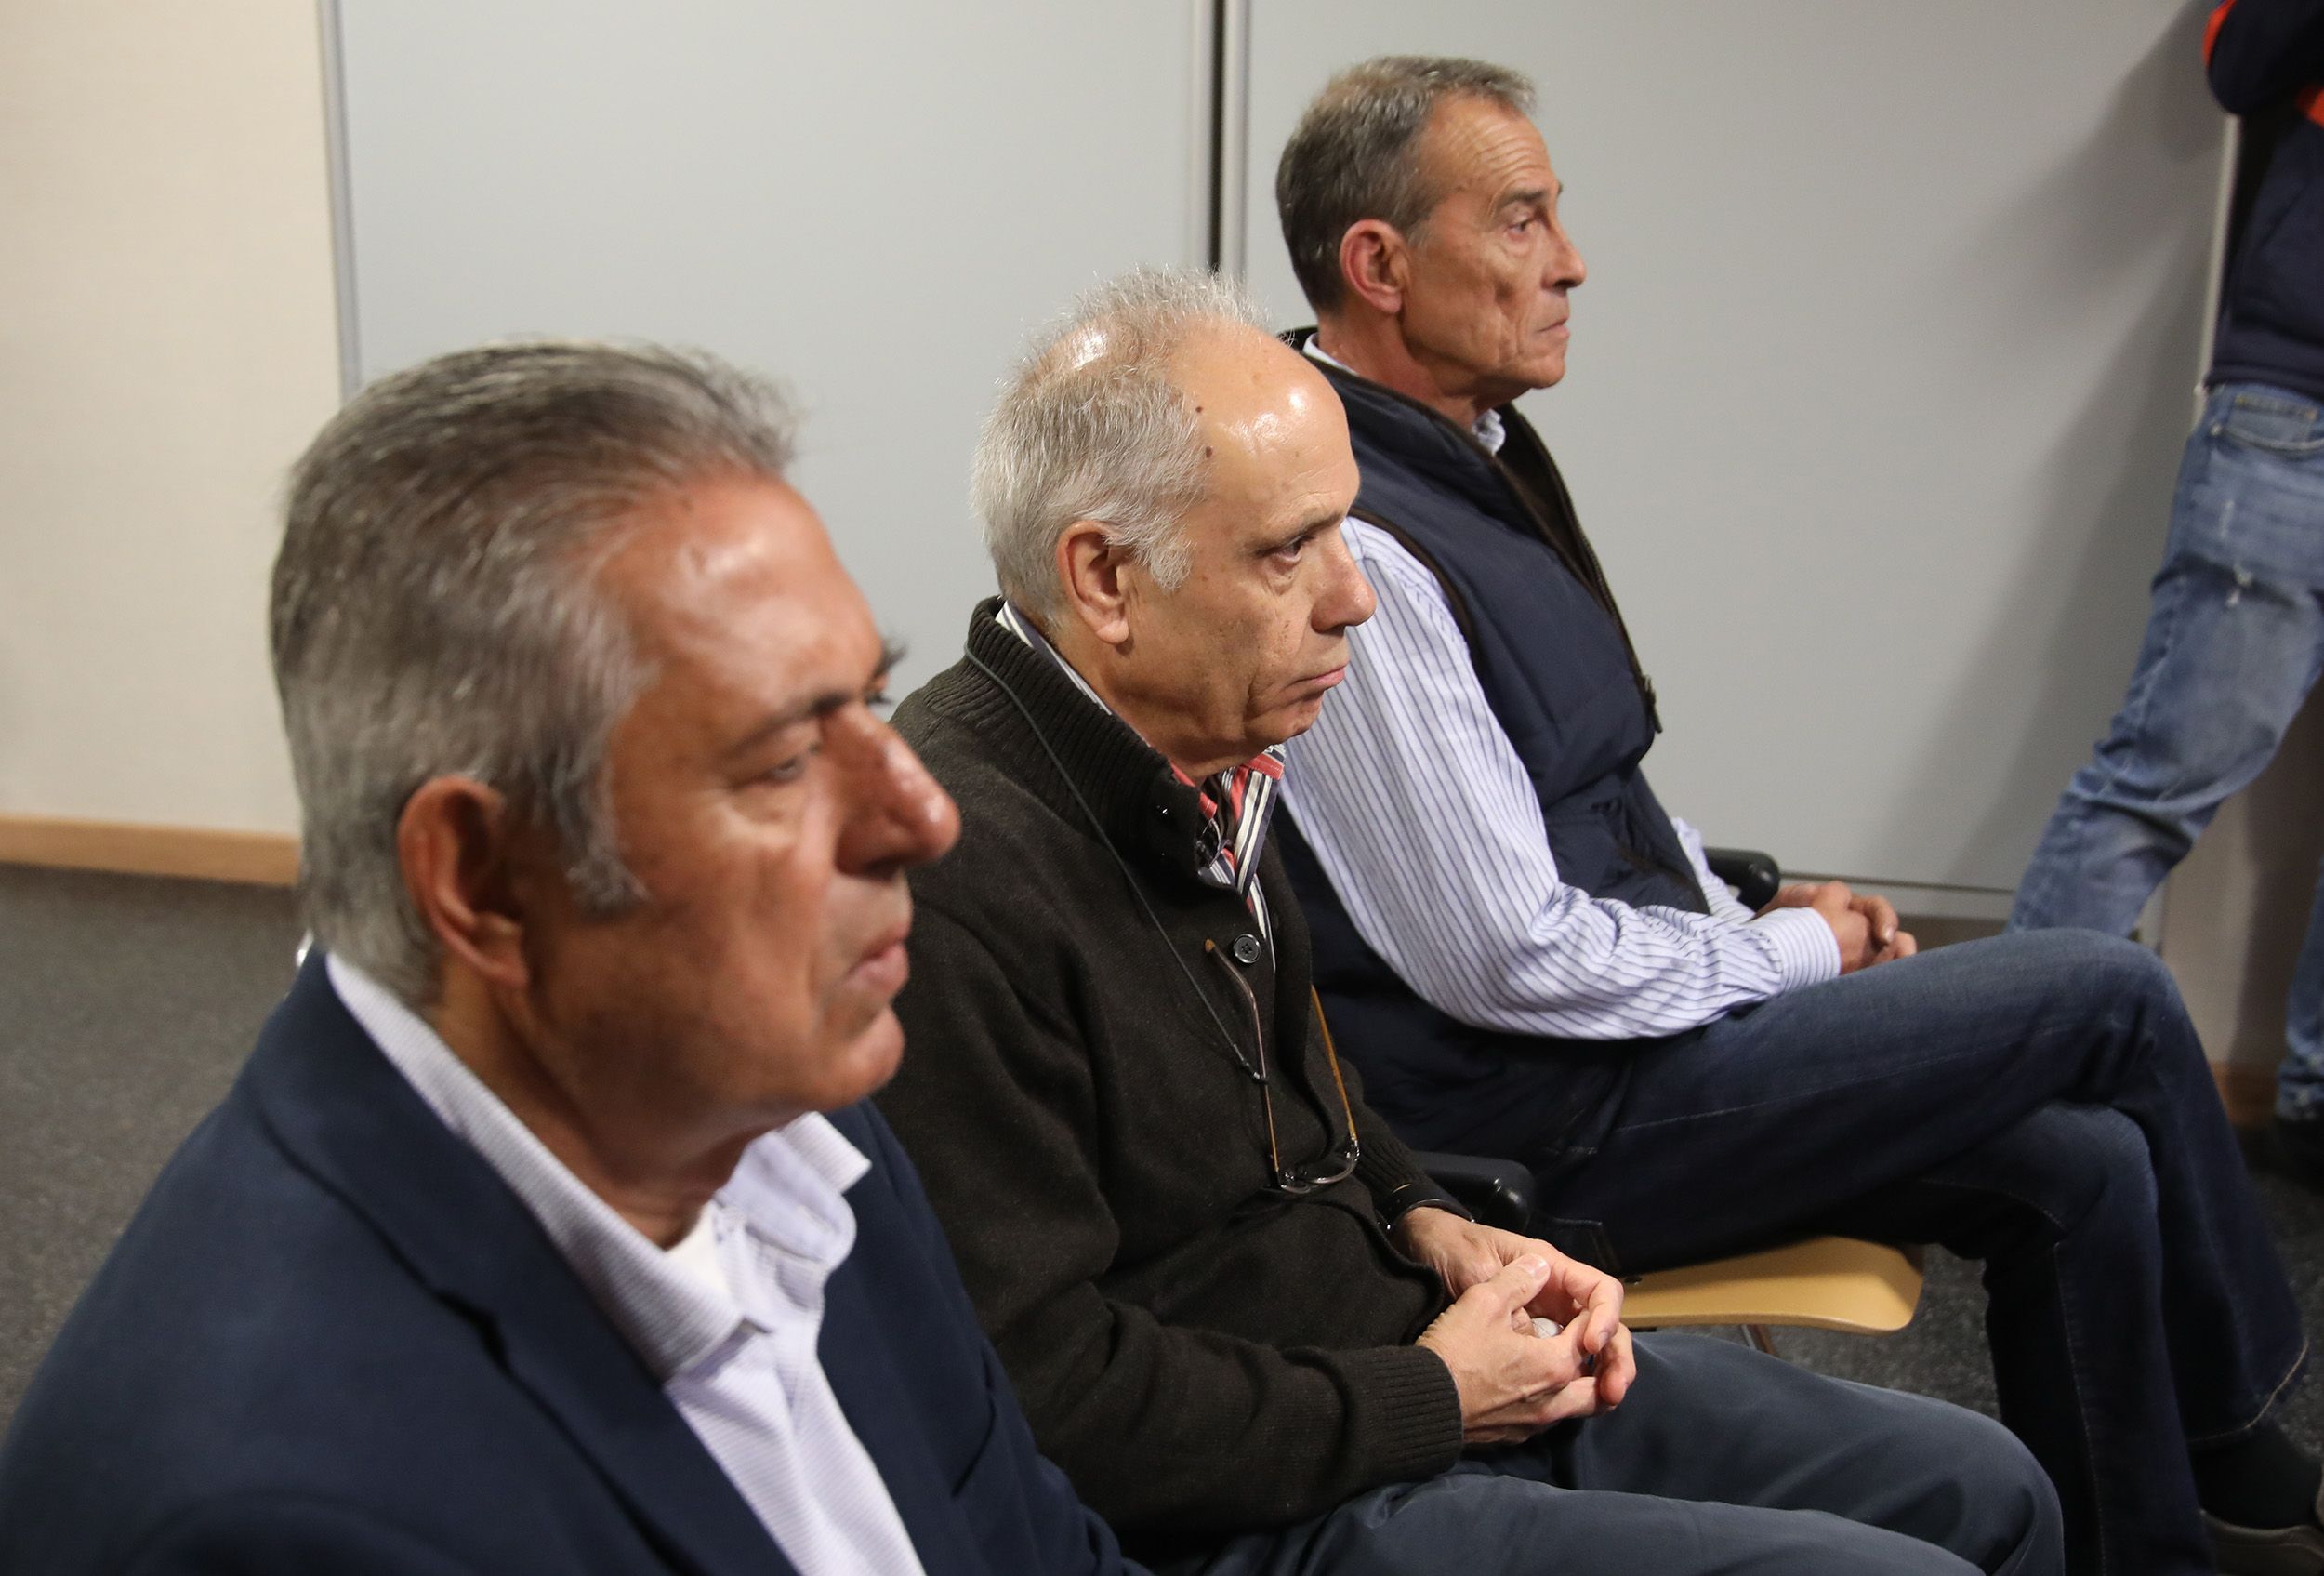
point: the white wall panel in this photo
(873, 202)
(1876, 385)
(165, 351)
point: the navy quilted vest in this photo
(1556, 666)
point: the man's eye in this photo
(790, 771)
(880, 701)
(1289, 551)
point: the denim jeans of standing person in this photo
(2233, 647)
(2039, 1103)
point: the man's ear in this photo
(1089, 572)
(457, 848)
(1376, 264)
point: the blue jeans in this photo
(2037, 1102)
(2233, 645)
(1720, 1460)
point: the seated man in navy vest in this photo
(1528, 958)
(1241, 1317)
(521, 1244)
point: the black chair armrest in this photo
(1497, 1192)
(1754, 876)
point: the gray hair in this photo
(435, 609)
(1355, 154)
(1092, 426)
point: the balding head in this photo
(1164, 484)
(1256, 401)
(1093, 425)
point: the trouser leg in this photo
(1721, 1461)
(2234, 642)
(1765, 1433)
(2061, 1211)
(1777, 1121)
(2300, 1082)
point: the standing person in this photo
(546, 1230)
(1524, 952)
(1240, 1315)
(2236, 637)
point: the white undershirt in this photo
(696, 1254)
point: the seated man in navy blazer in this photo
(520, 1245)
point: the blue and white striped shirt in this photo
(1423, 818)
(728, 1321)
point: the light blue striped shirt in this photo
(1423, 818)
(727, 1320)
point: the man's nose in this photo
(898, 815)
(1566, 269)
(1348, 599)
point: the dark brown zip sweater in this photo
(1202, 1355)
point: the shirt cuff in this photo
(1807, 951)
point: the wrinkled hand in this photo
(1888, 941)
(1865, 926)
(1513, 1383)
(1461, 1252)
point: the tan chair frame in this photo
(1822, 1283)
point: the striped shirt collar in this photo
(788, 1191)
(1239, 801)
(1489, 428)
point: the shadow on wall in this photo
(2239, 904)
(2109, 508)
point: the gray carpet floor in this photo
(126, 1007)
(127, 1004)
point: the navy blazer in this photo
(333, 1340)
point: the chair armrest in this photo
(1755, 876)
(1497, 1192)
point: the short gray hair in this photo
(435, 609)
(1092, 426)
(1355, 154)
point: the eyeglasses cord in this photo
(1233, 1046)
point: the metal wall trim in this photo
(1229, 253)
(342, 200)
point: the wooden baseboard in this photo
(256, 859)
(2248, 1090)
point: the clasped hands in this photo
(1864, 924)
(1513, 1383)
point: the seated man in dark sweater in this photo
(1527, 957)
(1236, 1311)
